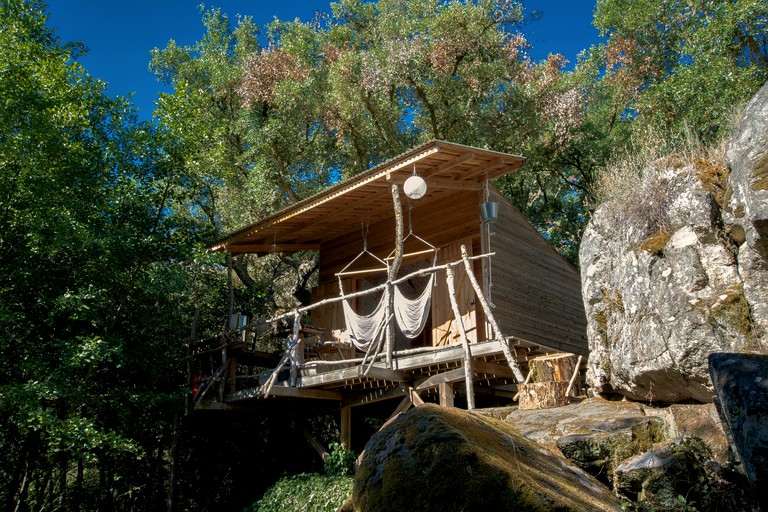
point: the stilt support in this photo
(446, 394)
(346, 427)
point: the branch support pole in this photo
(392, 272)
(511, 360)
(468, 365)
(296, 348)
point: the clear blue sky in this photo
(120, 33)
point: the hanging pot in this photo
(489, 211)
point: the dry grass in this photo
(637, 184)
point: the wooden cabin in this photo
(527, 290)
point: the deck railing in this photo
(374, 352)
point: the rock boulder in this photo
(741, 384)
(746, 211)
(437, 459)
(678, 269)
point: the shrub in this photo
(307, 492)
(340, 462)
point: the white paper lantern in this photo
(415, 187)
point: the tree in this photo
(680, 67)
(332, 97)
(96, 277)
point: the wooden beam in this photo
(248, 248)
(446, 394)
(414, 397)
(488, 368)
(314, 443)
(511, 359)
(453, 184)
(403, 406)
(446, 183)
(441, 378)
(287, 391)
(352, 372)
(449, 164)
(386, 374)
(375, 396)
(469, 373)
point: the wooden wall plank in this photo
(536, 291)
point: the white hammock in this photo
(410, 315)
(363, 329)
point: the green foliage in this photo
(97, 283)
(340, 462)
(332, 97)
(680, 67)
(306, 493)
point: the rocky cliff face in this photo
(746, 212)
(679, 269)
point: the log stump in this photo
(543, 395)
(553, 368)
(550, 378)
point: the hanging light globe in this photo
(415, 187)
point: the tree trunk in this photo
(551, 377)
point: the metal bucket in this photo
(489, 211)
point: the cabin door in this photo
(445, 331)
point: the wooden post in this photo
(296, 346)
(511, 360)
(232, 374)
(468, 364)
(392, 272)
(346, 428)
(267, 387)
(446, 394)
(573, 377)
(389, 331)
(485, 265)
(314, 443)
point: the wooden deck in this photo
(419, 370)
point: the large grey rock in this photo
(701, 421)
(662, 452)
(660, 295)
(680, 475)
(441, 459)
(588, 416)
(747, 207)
(741, 384)
(678, 269)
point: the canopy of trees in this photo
(104, 220)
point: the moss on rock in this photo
(433, 458)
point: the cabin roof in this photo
(445, 166)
